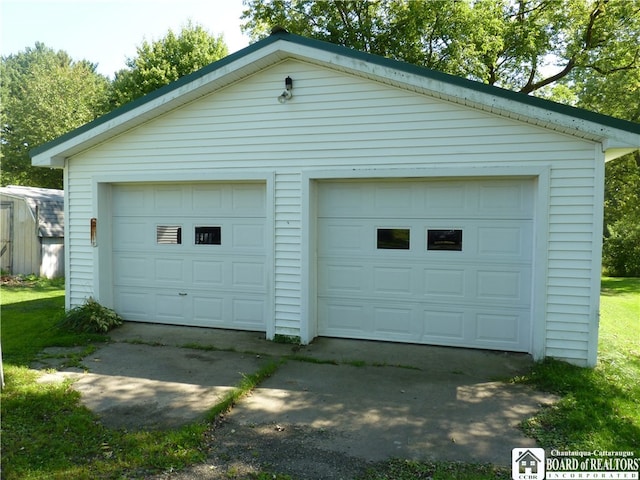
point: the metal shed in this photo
(32, 231)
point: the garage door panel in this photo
(132, 305)
(343, 237)
(397, 322)
(479, 296)
(210, 272)
(248, 275)
(343, 199)
(505, 199)
(208, 199)
(131, 270)
(500, 328)
(208, 310)
(338, 277)
(248, 313)
(446, 198)
(170, 308)
(169, 270)
(250, 236)
(134, 199)
(507, 242)
(444, 282)
(169, 199)
(442, 325)
(343, 318)
(247, 200)
(502, 285)
(390, 199)
(130, 234)
(393, 280)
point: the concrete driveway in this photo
(368, 400)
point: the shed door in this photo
(6, 236)
(190, 254)
(434, 262)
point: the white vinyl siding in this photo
(287, 254)
(339, 121)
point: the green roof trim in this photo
(549, 105)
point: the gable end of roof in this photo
(573, 119)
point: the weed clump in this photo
(90, 317)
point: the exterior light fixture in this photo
(286, 94)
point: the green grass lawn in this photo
(600, 406)
(46, 433)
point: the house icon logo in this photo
(527, 464)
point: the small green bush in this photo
(91, 317)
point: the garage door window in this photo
(444, 240)
(393, 239)
(169, 235)
(208, 235)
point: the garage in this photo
(190, 254)
(436, 262)
(374, 199)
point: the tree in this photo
(509, 43)
(617, 95)
(44, 95)
(164, 61)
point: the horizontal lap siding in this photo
(571, 245)
(77, 234)
(287, 253)
(340, 121)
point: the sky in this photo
(107, 32)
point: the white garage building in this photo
(304, 189)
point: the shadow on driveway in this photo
(368, 401)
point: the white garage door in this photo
(435, 262)
(190, 254)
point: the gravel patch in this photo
(242, 451)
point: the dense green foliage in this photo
(502, 42)
(44, 94)
(617, 95)
(161, 62)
